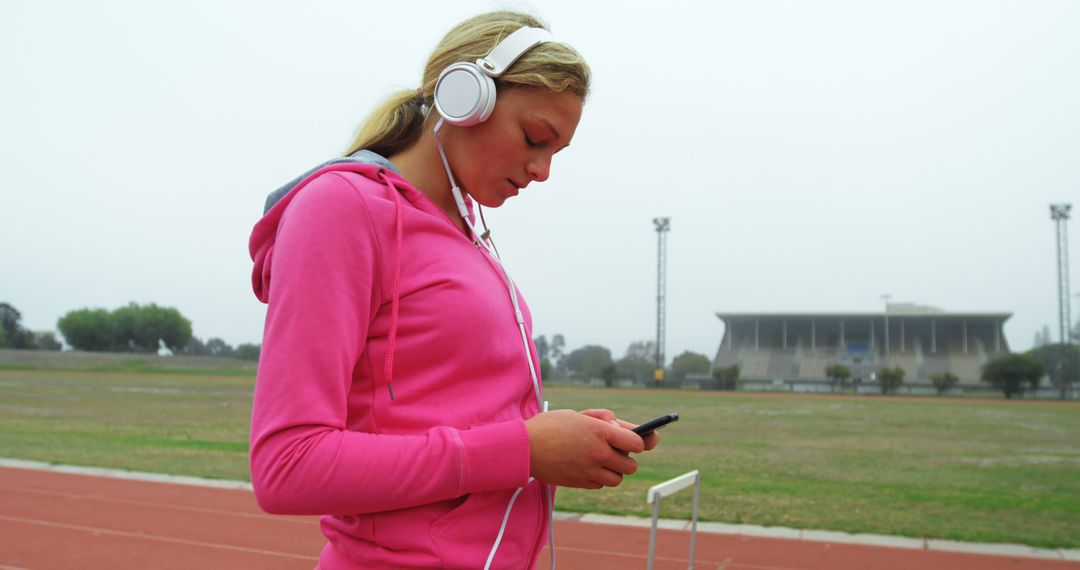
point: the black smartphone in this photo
(653, 425)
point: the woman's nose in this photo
(540, 168)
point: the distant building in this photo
(797, 347)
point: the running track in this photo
(52, 520)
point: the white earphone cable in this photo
(481, 240)
(502, 527)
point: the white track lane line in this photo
(100, 531)
(108, 499)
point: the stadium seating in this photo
(782, 364)
(906, 361)
(755, 364)
(966, 366)
(812, 365)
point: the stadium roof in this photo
(941, 314)
(893, 310)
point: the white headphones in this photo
(465, 91)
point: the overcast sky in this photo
(811, 155)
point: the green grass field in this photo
(986, 471)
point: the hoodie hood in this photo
(261, 243)
(359, 157)
(371, 166)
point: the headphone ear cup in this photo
(464, 95)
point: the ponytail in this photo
(393, 126)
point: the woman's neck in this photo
(421, 166)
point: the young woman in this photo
(398, 391)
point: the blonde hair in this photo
(398, 121)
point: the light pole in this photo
(663, 226)
(886, 298)
(1060, 214)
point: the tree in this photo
(1010, 372)
(46, 341)
(15, 336)
(9, 320)
(3, 338)
(890, 378)
(132, 327)
(609, 373)
(1061, 363)
(124, 326)
(1074, 334)
(218, 347)
(195, 347)
(543, 349)
(639, 361)
(547, 371)
(727, 377)
(168, 325)
(689, 363)
(87, 329)
(944, 382)
(139, 328)
(839, 374)
(589, 361)
(558, 344)
(247, 351)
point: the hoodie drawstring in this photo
(388, 363)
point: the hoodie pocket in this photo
(464, 536)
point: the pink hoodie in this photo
(392, 387)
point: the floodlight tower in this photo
(886, 298)
(663, 225)
(1060, 214)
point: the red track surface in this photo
(51, 521)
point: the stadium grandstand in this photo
(792, 350)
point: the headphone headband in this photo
(511, 48)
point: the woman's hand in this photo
(651, 440)
(588, 450)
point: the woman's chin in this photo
(492, 201)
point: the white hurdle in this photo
(670, 487)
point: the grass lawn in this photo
(986, 471)
(977, 470)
